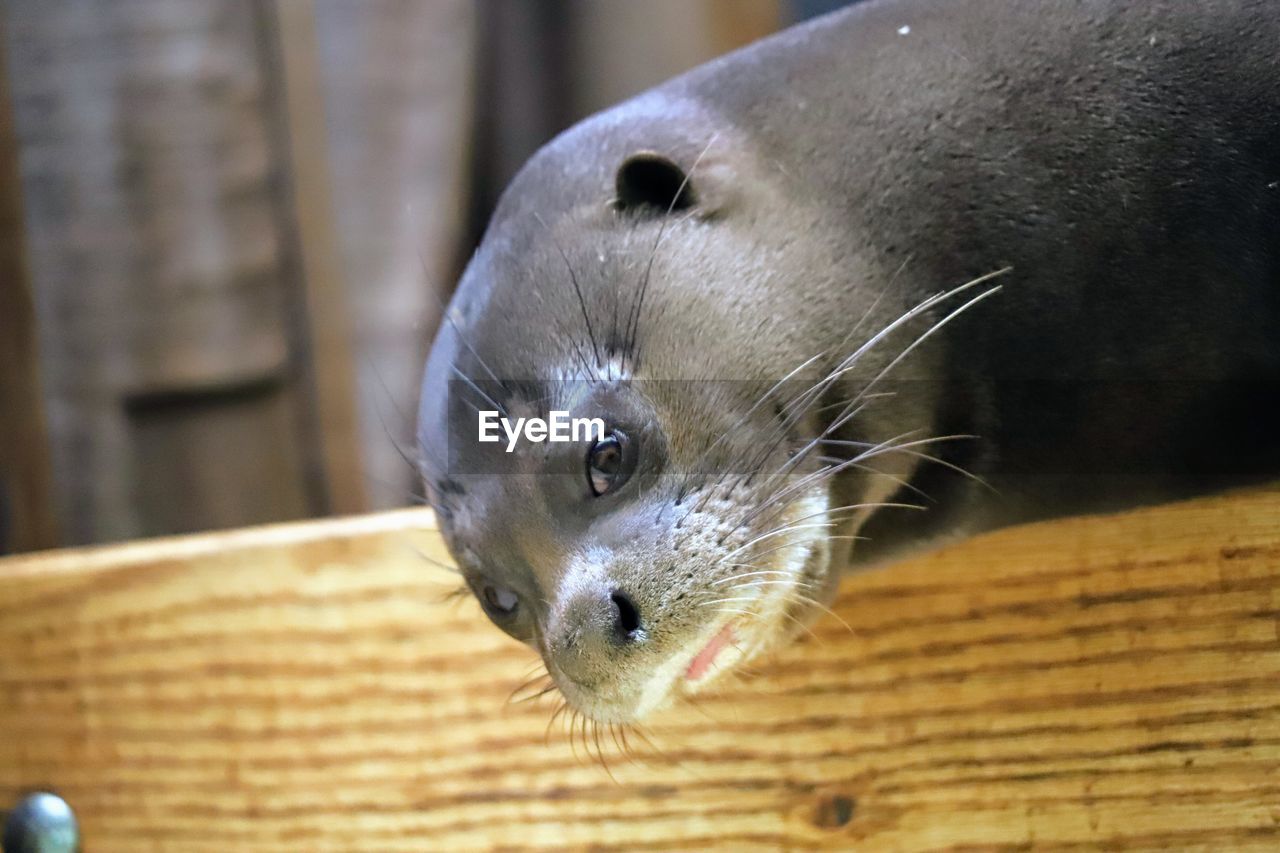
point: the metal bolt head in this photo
(41, 823)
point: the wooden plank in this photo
(289, 29)
(186, 481)
(1108, 682)
(26, 489)
(398, 83)
(156, 254)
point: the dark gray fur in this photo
(1122, 159)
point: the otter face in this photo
(694, 530)
(643, 561)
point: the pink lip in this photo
(703, 660)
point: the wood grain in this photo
(1097, 683)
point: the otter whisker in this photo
(892, 478)
(579, 735)
(613, 735)
(826, 473)
(803, 626)
(525, 685)
(633, 320)
(633, 755)
(936, 327)
(854, 330)
(807, 599)
(853, 406)
(776, 532)
(722, 581)
(884, 448)
(474, 387)
(412, 497)
(746, 416)
(575, 716)
(421, 555)
(781, 498)
(692, 702)
(911, 314)
(747, 598)
(448, 317)
(551, 721)
(799, 456)
(590, 735)
(536, 675)
(589, 373)
(719, 480)
(906, 448)
(416, 465)
(629, 753)
(533, 668)
(783, 613)
(637, 343)
(815, 392)
(741, 666)
(792, 583)
(626, 745)
(832, 514)
(593, 728)
(604, 763)
(577, 289)
(835, 425)
(750, 614)
(840, 404)
(816, 477)
(639, 731)
(785, 545)
(580, 732)
(456, 594)
(533, 697)
(953, 466)
(780, 493)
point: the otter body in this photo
(1003, 261)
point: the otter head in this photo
(645, 272)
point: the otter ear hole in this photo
(651, 183)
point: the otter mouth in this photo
(758, 615)
(778, 606)
(705, 660)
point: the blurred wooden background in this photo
(228, 228)
(1093, 684)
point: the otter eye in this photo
(499, 601)
(604, 463)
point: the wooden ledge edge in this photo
(96, 558)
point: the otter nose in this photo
(591, 630)
(611, 617)
(625, 624)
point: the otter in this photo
(905, 273)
